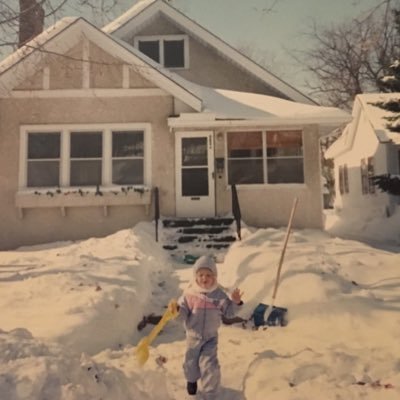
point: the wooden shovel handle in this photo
(278, 274)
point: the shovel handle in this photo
(278, 273)
(167, 316)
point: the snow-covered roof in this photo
(132, 12)
(145, 10)
(365, 103)
(377, 115)
(341, 144)
(241, 108)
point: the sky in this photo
(69, 315)
(274, 31)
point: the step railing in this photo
(156, 210)
(236, 211)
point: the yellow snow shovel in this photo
(142, 349)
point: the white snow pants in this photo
(201, 363)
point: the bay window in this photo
(265, 157)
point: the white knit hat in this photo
(205, 262)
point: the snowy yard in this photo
(69, 313)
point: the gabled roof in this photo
(365, 104)
(145, 10)
(66, 33)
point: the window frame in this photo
(265, 157)
(106, 159)
(161, 39)
(367, 171)
(344, 187)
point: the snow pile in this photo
(31, 369)
(364, 225)
(83, 285)
(69, 313)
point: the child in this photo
(201, 306)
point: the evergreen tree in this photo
(391, 83)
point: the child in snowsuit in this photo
(201, 307)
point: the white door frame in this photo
(195, 205)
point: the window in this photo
(43, 161)
(343, 179)
(88, 156)
(265, 157)
(170, 51)
(127, 157)
(371, 173)
(367, 172)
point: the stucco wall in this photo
(80, 222)
(65, 72)
(207, 67)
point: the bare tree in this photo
(350, 58)
(21, 20)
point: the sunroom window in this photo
(260, 157)
(284, 157)
(245, 157)
(170, 51)
(84, 157)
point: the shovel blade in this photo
(142, 349)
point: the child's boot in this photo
(191, 388)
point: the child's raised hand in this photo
(236, 296)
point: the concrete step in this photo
(198, 236)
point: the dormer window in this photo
(171, 51)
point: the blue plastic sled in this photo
(276, 317)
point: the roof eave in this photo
(178, 122)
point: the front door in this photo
(195, 191)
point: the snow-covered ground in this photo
(69, 311)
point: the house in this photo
(366, 148)
(92, 120)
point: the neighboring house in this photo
(92, 120)
(366, 148)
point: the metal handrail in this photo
(156, 210)
(236, 211)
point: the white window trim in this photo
(264, 156)
(161, 39)
(65, 131)
(67, 196)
